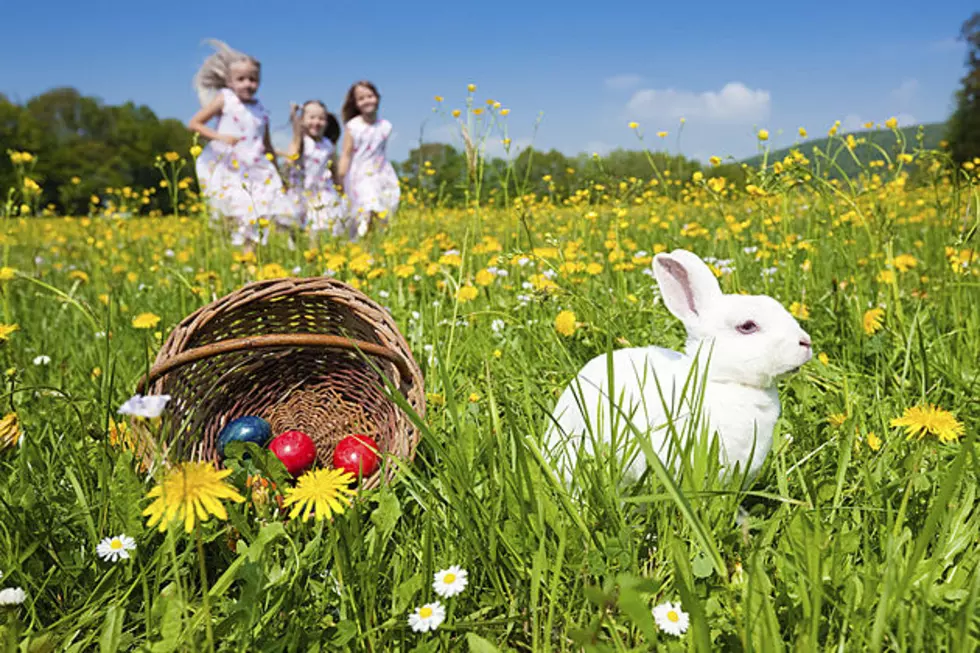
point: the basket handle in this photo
(273, 340)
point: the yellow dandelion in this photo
(633, 125)
(172, 157)
(6, 274)
(886, 276)
(891, 123)
(474, 397)
(872, 320)
(10, 432)
(455, 113)
(905, 262)
(662, 134)
(435, 398)
(837, 419)
(146, 321)
(471, 87)
(403, 271)
(802, 132)
(271, 271)
(565, 323)
(799, 311)
(438, 98)
(467, 293)
(931, 419)
(320, 493)
(763, 135)
(6, 330)
(874, 442)
(191, 492)
(196, 151)
(484, 277)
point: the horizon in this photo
(884, 61)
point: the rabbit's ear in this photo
(687, 284)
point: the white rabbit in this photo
(752, 341)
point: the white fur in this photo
(740, 401)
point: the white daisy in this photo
(671, 619)
(149, 406)
(12, 596)
(449, 582)
(427, 618)
(112, 549)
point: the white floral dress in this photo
(239, 181)
(371, 184)
(318, 205)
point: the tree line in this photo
(82, 146)
(964, 124)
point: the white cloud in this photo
(735, 103)
(623, 82)
(905, 91)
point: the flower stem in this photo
(204, 587)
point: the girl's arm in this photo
(346, 150)
(296, 144)
(198, 123)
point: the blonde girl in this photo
(236, 170)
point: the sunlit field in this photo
(861, 532)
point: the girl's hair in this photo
(332, 130)
(216, 69)
(350, 110)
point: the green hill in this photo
(932, 133)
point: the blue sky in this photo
(728, 68)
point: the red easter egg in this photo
(357, 453)
(296, 451)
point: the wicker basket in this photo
(301, 353)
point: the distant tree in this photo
(83, 146)
(436, 170)
(964, 125)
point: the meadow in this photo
(861, 532)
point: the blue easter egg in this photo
(244, 429)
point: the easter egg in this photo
(357, 454)
(295, 449)
(244, 429)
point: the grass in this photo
(855, 537)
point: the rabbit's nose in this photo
(805, 342)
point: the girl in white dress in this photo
(368, 177)
(236, 170)
(312, 160)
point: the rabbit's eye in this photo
(747, 327)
